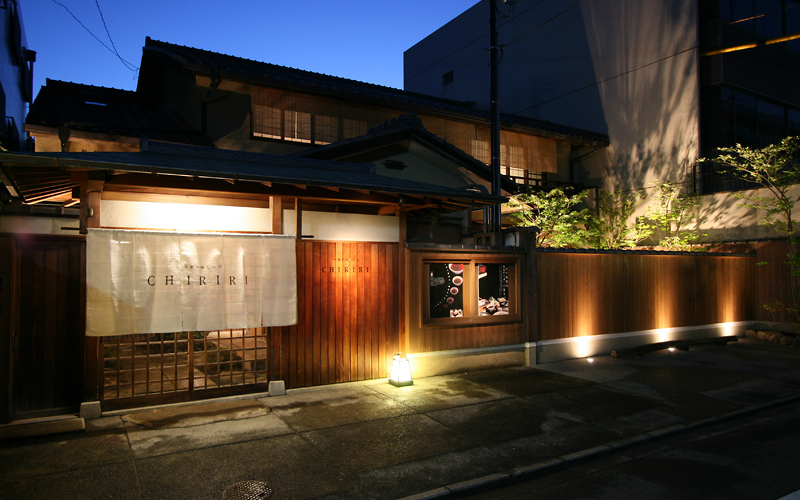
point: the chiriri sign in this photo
(160, 282)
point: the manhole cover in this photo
(247, 490)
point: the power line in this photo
(599, 82)
(481, 36)
(542, 24)
(128, 65)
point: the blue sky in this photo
(357, 39)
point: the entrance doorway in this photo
(46, 324)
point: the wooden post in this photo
(276, 206)
(91, 190)
(403, 292)
(298, 218)
(531, 288)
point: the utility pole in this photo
(496, 224)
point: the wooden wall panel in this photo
(348, 314)
(772, 281)
(592, 294)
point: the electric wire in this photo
(542, 24)
(127, 64)
(479, 38)
(600, 82)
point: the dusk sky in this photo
(356, 39)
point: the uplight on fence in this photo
(401, 371)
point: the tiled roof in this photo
(162, 158)
(109, 111)
(262, 73)
(401, 128)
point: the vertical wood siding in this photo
(772, 280)
(349, 318)
(591, 294)
(48, 365)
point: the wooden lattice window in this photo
(162, 363)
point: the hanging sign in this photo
(161, 282)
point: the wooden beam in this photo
(255, 202)
(388, 209)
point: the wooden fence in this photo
(583, 293)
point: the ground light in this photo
(401, 371)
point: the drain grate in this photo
(247, 490)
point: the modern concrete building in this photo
(654, 75)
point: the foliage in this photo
(609, 228)
(556, 214)
(670, 216)
(775, 168)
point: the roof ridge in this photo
(48, 81)
(455, 102)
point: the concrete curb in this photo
(548, 465)
(43, 427)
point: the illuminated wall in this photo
(189, 217)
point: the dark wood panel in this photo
(47, 368)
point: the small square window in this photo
(447, 78)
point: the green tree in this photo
(609, 226)
(557, 215)
(670, 216)
(775, 168)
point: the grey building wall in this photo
(628, 68)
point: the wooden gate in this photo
(43, 324)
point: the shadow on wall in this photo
(644, 54)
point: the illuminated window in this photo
(297, 126)
(267, 122)
(471, 291)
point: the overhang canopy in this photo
(241, 177)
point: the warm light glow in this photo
(583, 346)
(663, 335)
(401, 371)
(184, 217)
(728, 330)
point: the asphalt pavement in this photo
(371, 440)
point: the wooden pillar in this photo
(91, 191)
(403, 293)
(276, 207)
(531, 289)
(298, 221)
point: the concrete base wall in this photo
(429, 364)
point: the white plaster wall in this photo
(185, 217)
(37, 225)
(723, 218)
(345, 227)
